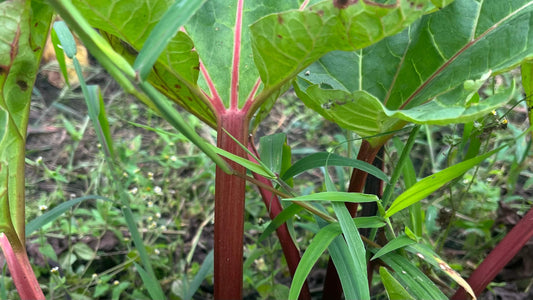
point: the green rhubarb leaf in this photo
(426, 74)
(215, 30)
(127, 25)
(24, 27)
(285, 43)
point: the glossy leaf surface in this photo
(426, 74)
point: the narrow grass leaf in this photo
(322, 159)
(256, 168)
(405, 151)
(336, 197)
(60, 55)
(285, 215)
(66, 38)
(414, 280)
(271, 151)
(394, 289)
(428, 255)
(527, 82)
(356, 248)
(205, 269)
(175, 17)
(318, 245)
(57, 211)
(428, 185)
(397, 243)
(152, 289)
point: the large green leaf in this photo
(24, 27)
(285, 43)
(127, 25)
(427, 73)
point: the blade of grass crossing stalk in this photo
(60, 55)
(256, 168)
(57, 211)
(387, 194)
(428, 185)
(173, 117)
(318, 245)
(394, 289)
(175, 17)
(205, 269)
(321, 159)
(414, 280)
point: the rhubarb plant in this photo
(393, 63)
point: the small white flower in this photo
(39, 160)
(95, 275)
(163, 227)
(158, 190)
(54, 269)
(150, 219)
(173, 158)
(134, 190)
(125, 174)
(43, 207)
(150, 175)
(157, 252)
(158, 215)
(150, 204)
(72, 196)
(153, 225)
(116, 282)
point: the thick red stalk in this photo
(499, 257)
(292, 254)
(229, 209)
(367, 152)
(21, 271)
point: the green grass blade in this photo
(175, 17)
(285, 215)
(318, 245)
(428, 185)
(205, 269)
(335, 197)
(66, 38)
(395, 291)
(397, 243)
(60, 55)
(271, 151)
(57, 211)
(414, 280)
(151, 286)
(356, 248)
(256, 168)
(427, 254)
(387, 194)
(322, 159)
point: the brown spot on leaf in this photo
(320, 13)
(279, 36)
(196, 67)
(177, 86)
(343, 3)
(189, 98)
(280, 19)
(22, 85)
